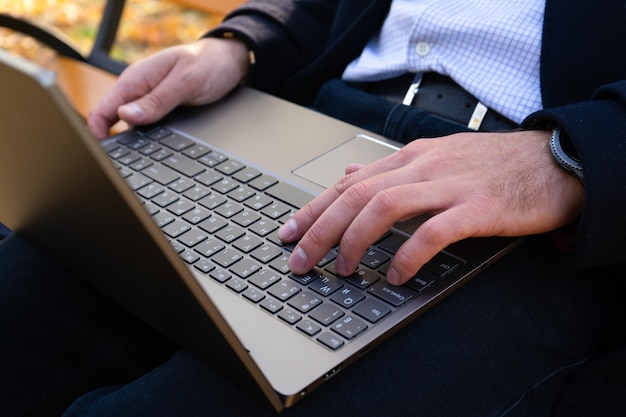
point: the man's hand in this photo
(194, 74)
(471, 184)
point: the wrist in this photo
(244, 56)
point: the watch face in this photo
(567, 146)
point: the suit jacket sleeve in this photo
(597, 128)
(301, 44)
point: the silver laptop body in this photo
(65, 192)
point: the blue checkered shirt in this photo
(490, 47)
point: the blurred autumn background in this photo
(146, 26)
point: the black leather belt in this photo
(442, 97)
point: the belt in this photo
(441, 96)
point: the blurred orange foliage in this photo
(146, 26)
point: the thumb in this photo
(148, 109)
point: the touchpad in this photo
(329, 167)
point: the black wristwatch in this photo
(565, 154)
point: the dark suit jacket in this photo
(301, 44)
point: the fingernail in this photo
(297, 260)
(132, 110)
(393, 277)
(287, 231)
(340, 266)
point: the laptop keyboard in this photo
(222, 217)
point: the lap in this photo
(505, 343)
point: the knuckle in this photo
(358, 195)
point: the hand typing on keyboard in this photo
(461, 181)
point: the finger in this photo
(302, 220)
(353, 168)
(326, 231)
(430, 238)
(388, 207)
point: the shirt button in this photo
(422, 48)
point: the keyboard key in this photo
(392, 242)
(225, 186)
(161, 154)
(284, 290)
(229, 209)
(236, 285)
(253, 295)
(290, 316)
(208, 178)
(265, 279)
(137, 181)
(180, 207)
(204, 266)
(347, 297)
(212, 224)
(196, 215)
(247, 174)
(308, 327)
(176, 229)
(184, 165)
(246, 218)
(372, 310)
(196, 193)
(230, 233)
(182, 185)
(374, 258)
(363, 278)
(349, 327)
(394, 295)
(220, 275)
(196, 151)
(209, 247)
(327, 314)
(270, 305)
(247, 243)
(189, 256)
(326, 285)
(161, 174)
(230, 166)
(165, 198)
(227, 257)
(281, 264)
(159, 133)
(263, 227)
(212, 201)
(263, 182)
(305, 302)
(421, 280)
(442, 264)
(192, 237)
(276, 210)
(258, 202)
(289, 194)
(266, 253)
(330, 340)
(307, 278)
(163, 218)
(151, 191)
(176, 142)
(245, 268)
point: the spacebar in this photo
(289, 194)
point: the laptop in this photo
(177, 223)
